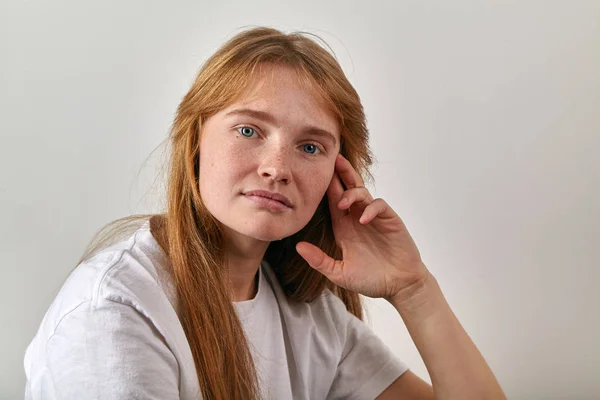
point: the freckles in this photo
(315, 182)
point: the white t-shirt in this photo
(112, 332)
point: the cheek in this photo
(221, 167)
(316, 181)
(213, 166)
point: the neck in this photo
(243, 256)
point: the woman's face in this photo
(276, 140)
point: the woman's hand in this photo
(379, 257)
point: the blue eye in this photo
(310, 148)
(246, 131)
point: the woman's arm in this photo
(381, 259)
(457, 368)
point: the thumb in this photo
(316, 258)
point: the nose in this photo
(275, 165)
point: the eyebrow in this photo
(270, 118)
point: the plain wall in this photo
(484, 119)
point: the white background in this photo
(484, 117)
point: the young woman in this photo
(248, 285)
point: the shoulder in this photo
(130, 272)
(113, 327)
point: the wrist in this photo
(418, 297)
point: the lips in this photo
(270, 195)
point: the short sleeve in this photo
(110, 351)
(367, 366)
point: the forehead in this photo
(271, 77)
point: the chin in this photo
(269, 231)
(268, 235)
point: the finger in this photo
(317, 259)
(335, 189)
(334, 195)
(347, 173)
(377, 207)
(356, 195)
